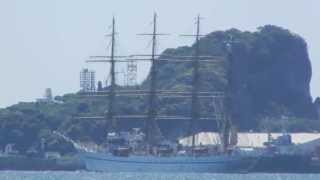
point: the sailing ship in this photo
(146, 150)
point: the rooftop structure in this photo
(132, 71)
(47, 97)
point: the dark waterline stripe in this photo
(139, 162)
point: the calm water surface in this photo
(18, 175)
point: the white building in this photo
(87, 81)
(48, 94)
(256, 140)
(47, 97)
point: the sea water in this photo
(49, 175)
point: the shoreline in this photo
(23, 163)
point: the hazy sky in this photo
(43, 43)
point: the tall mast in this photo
(110, 115)
(195, 85)
(229, 96)
(152, 111)
(196, 94)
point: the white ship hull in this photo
(210, 164)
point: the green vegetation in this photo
(272, 73)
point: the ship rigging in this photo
(152, 131)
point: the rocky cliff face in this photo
(272, 73)
(277, 74)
